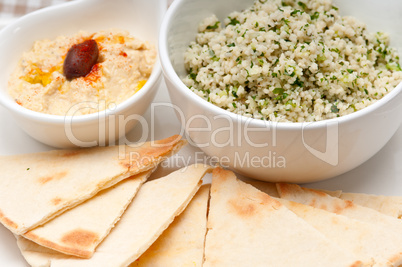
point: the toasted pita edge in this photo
(82, 234)
(151, 257)
(222, 175)
(106, 184)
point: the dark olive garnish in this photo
(80, 59)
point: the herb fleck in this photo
(213, 27)
(315, 15)
(233, 21)
(302, 5)
(294, 12)
(334, 108)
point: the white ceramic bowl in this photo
(142, 18)
(292, 152)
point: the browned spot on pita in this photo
(242, 208)
(335, 220)
(219, 176)
(83, 253)
(300, 207)
(248, 206)
(266, 199)
(313, 203)
(80, 237)
(222, 174)
(396, 258)
(57, 176)
(125, 164)
(349, 204)
(317, 192)
(357, 264)
(70, 153)
(149, 153)
(145, 156)
(323, 207)
(6, 221)
(339, 208)
(44, 180)
(56, 201)
(294, 204)
(284, 188)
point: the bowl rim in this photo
(13, 107)
(171, 74)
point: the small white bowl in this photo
(142, 18)
(291, 152)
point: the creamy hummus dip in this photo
(123, 67)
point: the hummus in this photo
(123, 67)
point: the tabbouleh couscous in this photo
(290, 61)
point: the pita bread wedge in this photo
(336, 193)
(152, 210)
(270, 188)
(389, 205)
(79, 231)
(35, 188)
(372, 243)
(321, 200)
(246, 227)
(182, 243)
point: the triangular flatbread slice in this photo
(270, 188)
(372, 243)
(182, 243)
(246, 227)
(336, 193)
(389, 205)
(152, 210)
(79, 231)
(35, 188)
(321, 200)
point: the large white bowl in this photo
(292, 152)
(142, 18)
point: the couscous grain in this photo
(290, 61)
